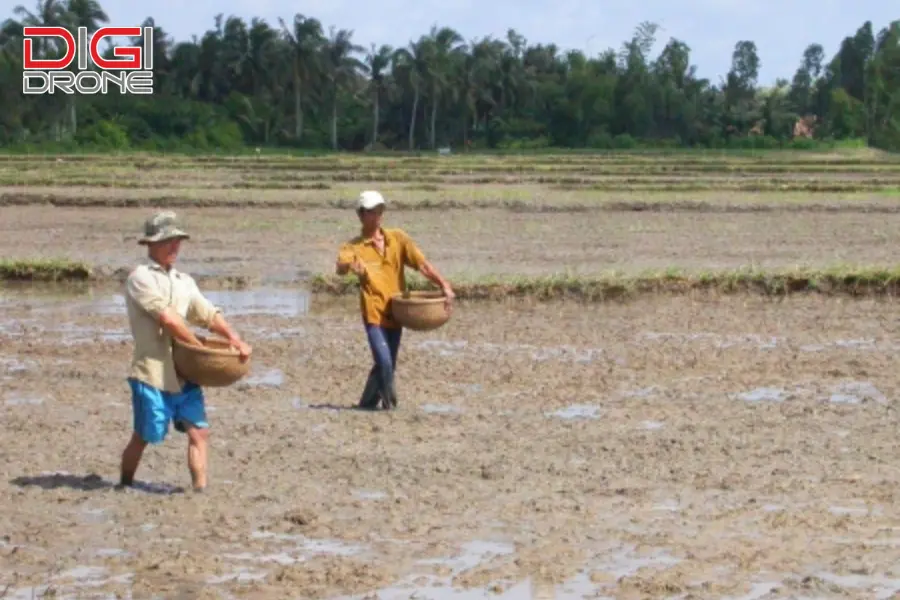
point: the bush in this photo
(104, 134)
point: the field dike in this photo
(437, 204)
(838, 281)
(835, 281)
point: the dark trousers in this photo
(384, 343)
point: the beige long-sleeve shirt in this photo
(149, 290)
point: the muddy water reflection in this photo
(52, 312)
(282, 302)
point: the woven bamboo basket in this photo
(420, 311)
(216, 364)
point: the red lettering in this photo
(47, 32)
(129, 57)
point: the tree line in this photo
(296, 84)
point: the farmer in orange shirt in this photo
(378, 257)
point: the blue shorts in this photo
(154, 409)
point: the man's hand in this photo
(449, 297)
(358, 267)
(243, 348)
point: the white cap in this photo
(370, 199)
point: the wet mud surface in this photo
(695, 447)
(283, 245)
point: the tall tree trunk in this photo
(465, 131)
(412, 120)
(434, 107)
(334, 139)
(298, 107)
(73, 114)
(375, 121)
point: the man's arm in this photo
(431, 273)
(223, 328)
(142, 289)
(177, 328)
(202, 312)
(414, 257)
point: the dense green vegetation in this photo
(294, 84)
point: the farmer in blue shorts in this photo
(160, 301)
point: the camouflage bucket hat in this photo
(161, 227)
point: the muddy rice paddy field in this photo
(696, 445)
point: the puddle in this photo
(15, 399)
(847, 344)
(281, 558)
(312, 546)
(370, 494)
(95, 515)
(14, 365)
(564, 353)
(280, 302)
(273, 301)
(70, 334)
(67, 584)
(239, 576)
(878, 586)
(763, 394)
(716, 340)
(441, 409)
(576, 411)
(848, 510)
(856, 392)
(667, 506)
(82, 573)
(288, 550)
(624, 563)
(272, 378)
(641, 392)
(616, 564)
(473, 554)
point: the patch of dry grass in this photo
(838, 280)
(52, 269)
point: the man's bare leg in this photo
(198, 445)
(131, 458)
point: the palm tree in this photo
(306, 39)
(478, 70)
(82, 13)
(412, 61)
(377, 63)
(444, 43)
(48, 13)
(340, 67)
